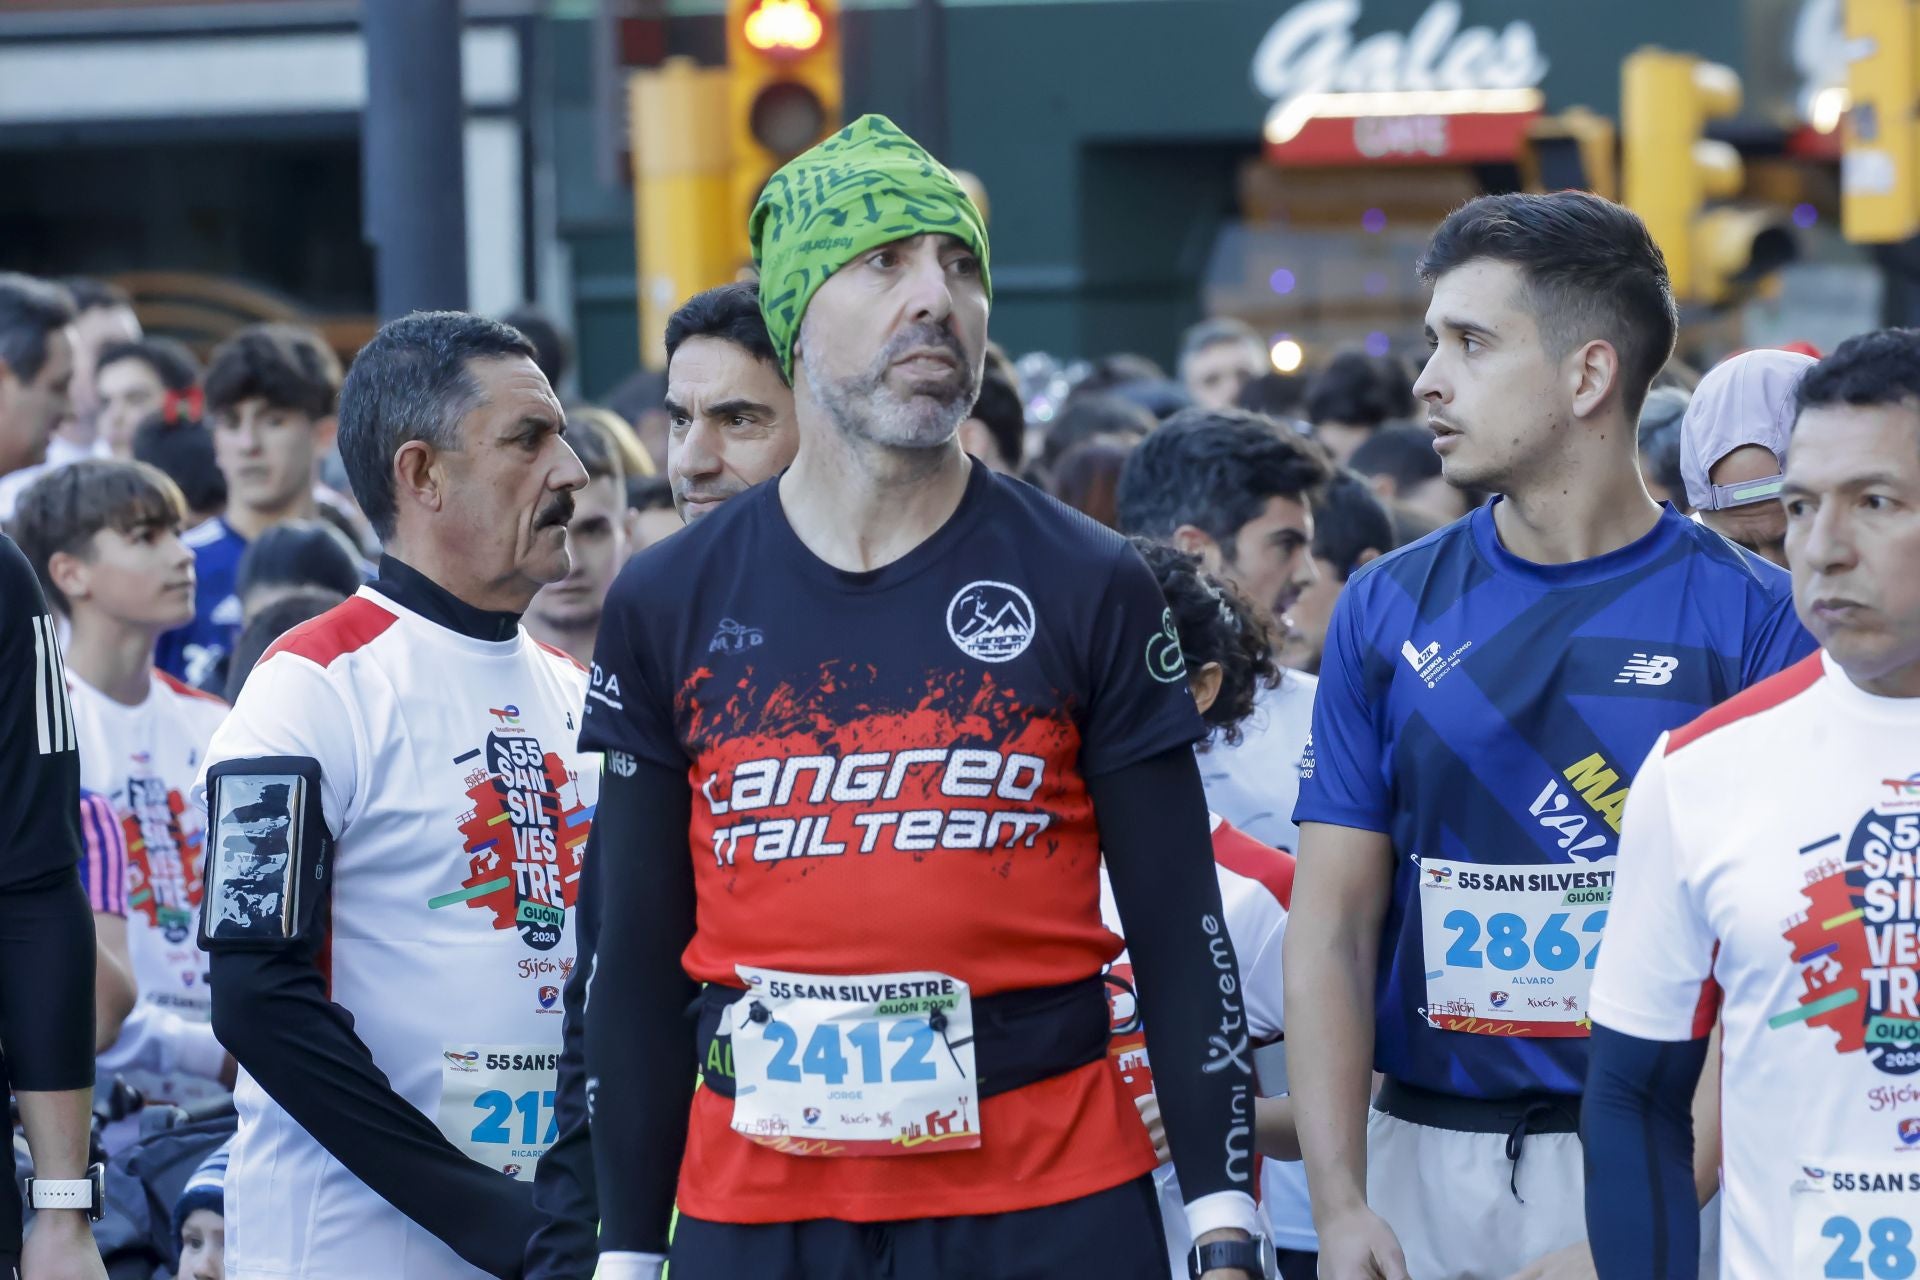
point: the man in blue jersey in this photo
(1485, 694)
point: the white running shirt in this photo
(1769, 848)
(1253, 896)
(460, 808)
(144, 759)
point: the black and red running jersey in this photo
(889, 772)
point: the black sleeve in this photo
(46, 983)
(1643, 1214)
(565, 1244)
(1153, 832)
(39, 753)
(639, 1033)
(271, 1011)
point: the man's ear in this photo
(1193, 540)
(419, 477)
(1595, 375)
(72, 574)
(1371, 553)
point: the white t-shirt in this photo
(1769, 852)
(144, 759)
(460, 808)
(1254, 783)
(1253, 896)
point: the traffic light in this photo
(1573, 151)
(686, 234)
(783, 89)
(1879, 198)
(1672, 168)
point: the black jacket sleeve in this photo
(639, 1032)
(564, 1245)
(271, 1011)
(1636, 1123)
(1153, 831)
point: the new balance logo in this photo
(53, 714)
(1647, 668)
(1418, 658)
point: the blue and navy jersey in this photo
(196, 650)
(1480, 708)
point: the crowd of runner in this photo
(858, 806)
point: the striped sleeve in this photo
(103, 855)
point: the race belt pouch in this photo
(269, 857)
(1019, 1037)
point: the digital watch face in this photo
(253, 856)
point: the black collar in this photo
(406, 585)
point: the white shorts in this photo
(1447, 1197)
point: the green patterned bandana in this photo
(866, 186)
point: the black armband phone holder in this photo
(268, 855)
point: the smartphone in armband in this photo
(268, 856)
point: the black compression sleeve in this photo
(271, 1011)
(639, 1036)
(564, 1246)
(46, 983)
(1153, 831)
(1643, 1215)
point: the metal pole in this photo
(931, 29)
(412, 167)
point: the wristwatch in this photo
(1254, 1257)
(89, 1193)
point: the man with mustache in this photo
(396, 812)
(869, 732)
(1485, 696)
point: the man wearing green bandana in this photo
(870, 731)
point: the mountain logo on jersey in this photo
(524, 837)
(1856, 942)
(991, 621)
(163, 857)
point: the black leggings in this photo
(46, 984)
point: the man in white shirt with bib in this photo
(1768, 867)
(396, 819)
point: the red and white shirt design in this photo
(143, 759)
(1256, 888)
(1768, 868)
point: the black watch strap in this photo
(1248, 1256)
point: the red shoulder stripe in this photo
(561, 653)
(1241, 854)
(187, 690)
(1780, 687)
(339, 631)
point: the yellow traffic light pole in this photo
(1880, 159)
(683, 233)
(1671, 169)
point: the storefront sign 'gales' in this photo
(1311, 50)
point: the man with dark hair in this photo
(1087, 414)
(566, 614)
(1351, 527)
(36, 372)
(271, 390)
(730, 422)
(1767, 867)
(1485, 695)
(997, 432)
(884, 600)
(650, 511)
(1240, 493)
(1353, 397)
(1399, 461)
(184, 451)
(398, 1023)
(1218, 357)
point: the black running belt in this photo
(1019, 1037)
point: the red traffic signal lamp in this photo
(783, 87)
